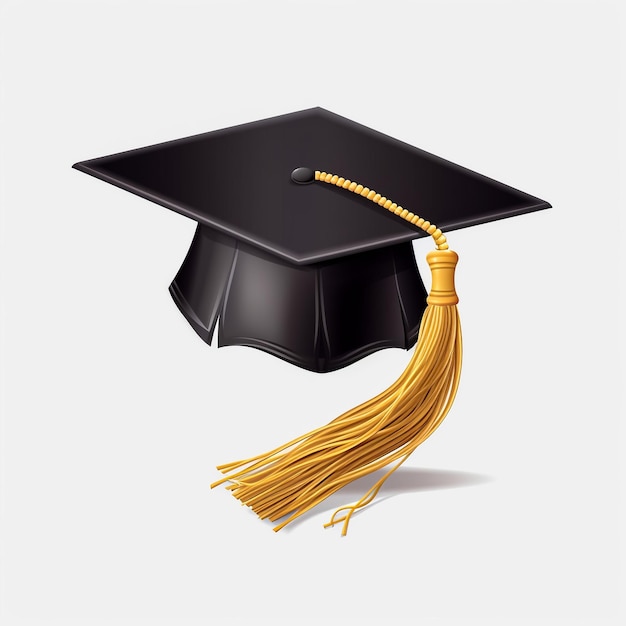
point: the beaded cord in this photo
(440, 239)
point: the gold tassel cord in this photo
(293, 478)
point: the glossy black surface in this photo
(238, 181)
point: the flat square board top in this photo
(238, 181)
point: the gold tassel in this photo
(292, 479)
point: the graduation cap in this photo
(293, 256)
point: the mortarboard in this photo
(320, 276)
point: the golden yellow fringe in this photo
(292, 479)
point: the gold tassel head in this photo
(442, 265)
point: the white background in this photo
(114, 413)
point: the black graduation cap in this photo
(314, 275)
(320, 277)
